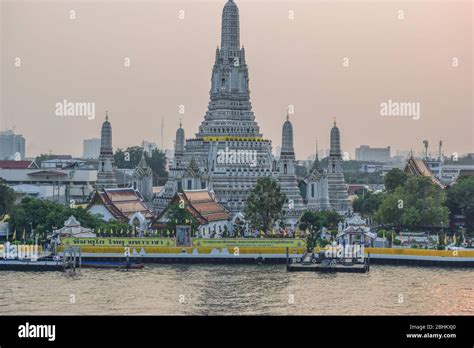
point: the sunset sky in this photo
(292, 61)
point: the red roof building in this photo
(419, 167)
(122, 204)
(201, 204)
(11, 164)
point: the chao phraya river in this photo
(239, 289)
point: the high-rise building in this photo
(366, 153)
(91, 148)
(148, 147)
(12, 146)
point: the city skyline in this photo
(138, 97)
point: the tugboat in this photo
(349, 259)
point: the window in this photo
(285, 169)
(190, 184)
(312, 190)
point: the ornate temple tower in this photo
(106, 171)
(229, 131)
(287, 173)
(143, 179)
(229, 110)
(179, 145)
(338, 196)
(316, 186)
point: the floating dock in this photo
(356, 268)
(23, 265)
(378, 256)
(111, 264)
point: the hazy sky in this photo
(295, 61)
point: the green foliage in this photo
(332, 218)
(114, 229)
(238, 228)
(44, 216)
(7, 199)
(368, 203)
(313, 221)
(363, 178)
(416, 203)
(310, 220)
(157, 162)
(179, 216)
(264, 204)
(460, 200)
(395, 178)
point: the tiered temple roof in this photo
(419, 167)
(201, 204)
(122, 203)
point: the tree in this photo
(7, 199)
(331, 218)
(416, 203)
(394, 178)
(238, 228)
(264, 205)
(43, 216)
(157, 163)
(368, 203)
(179, 216)
(131, 156)
(128, 158)
(460, 200)
(313, 220)
(310, 220)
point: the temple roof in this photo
(419, 167)
(142, 169)
(193, 169)
(201, 204)
(122, 203)
(71, 222)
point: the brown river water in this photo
(238, 290)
